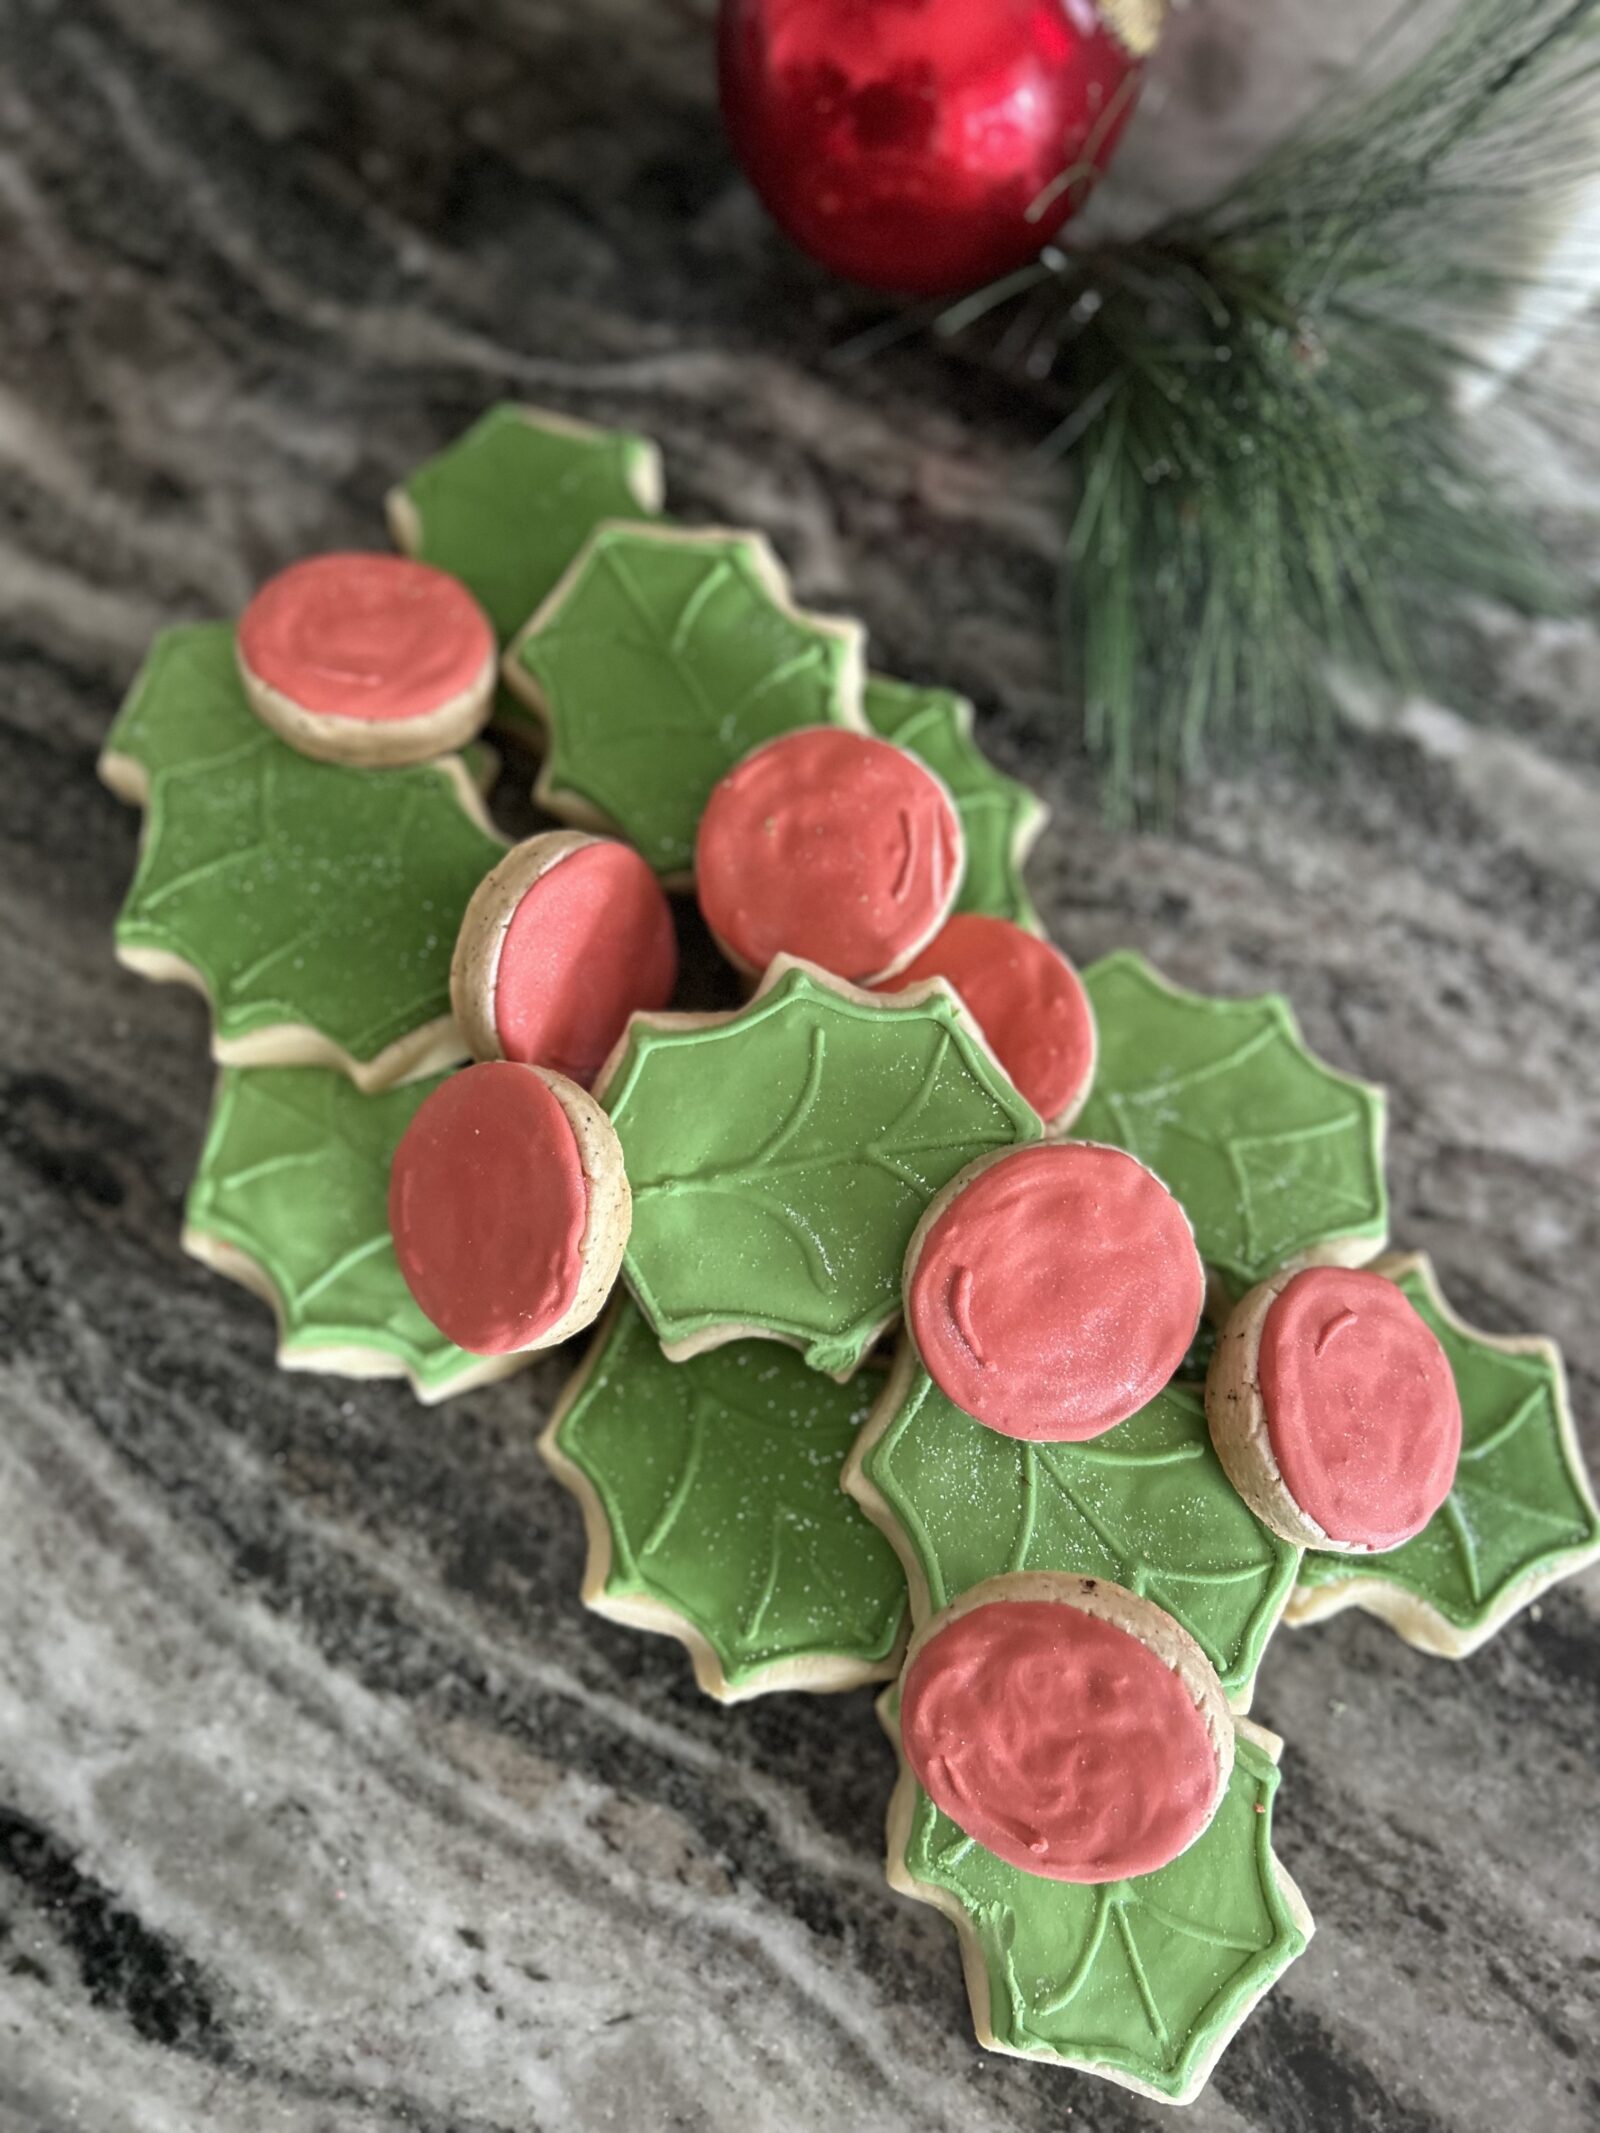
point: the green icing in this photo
(999, 817)
(1146, 1505)
(1271, 1152)
(1146, 1979)
(295, 1175)
(1520, 1512)
(780, 1159)
(719, 1480)
(507, 506)
(668, 658)
(301, 893)
(187, 708)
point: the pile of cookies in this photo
(1075, 1279)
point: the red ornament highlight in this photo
(922, 145)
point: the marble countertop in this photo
(323, 1805)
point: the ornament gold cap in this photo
(1136, 24)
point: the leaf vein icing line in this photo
(1082, 1969)
(689, 614)
(656, 636)
(1141, 1979)
(1465, 1546)
(672, 1510)
(1522, 1413)
(357, 1255)
(779, 677)
(191, 877)
(1030, 1508)
(270, 1166)
(758, 1614)
(1196, 1077)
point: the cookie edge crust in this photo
(644, 471)
(609, 1216)
(575, 808)
(374, 744)
(1416, 1620)
(480, 942)
(820, 1674)
(341, 1359)
(1236, 1414)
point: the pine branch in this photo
(1261, 422)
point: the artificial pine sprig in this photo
(1262, 400)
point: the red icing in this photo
(1062, 1743)
(1362, 1410)
(487, 1206)
(1057, 1293)
(1027, 999)
(828, 845)
(590, 944)
(374, 638)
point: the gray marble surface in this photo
(322, 1803)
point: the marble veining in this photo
(322, 1803)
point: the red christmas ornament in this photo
(927, 145)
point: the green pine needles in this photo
(1271, 471)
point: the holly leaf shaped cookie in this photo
(509, 504)
(1272, 1154)
(710, 1493)
(1147, 1505)
(663, 657)
(316, 905)
(1142, 1982)
(1520, 1516)
(1000, 819)
(291, 1199)
(781, 1157)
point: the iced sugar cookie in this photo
(290, 1199)
(1332, 1406)
(1029, 1002)
(1052, 1291)
(509, 504)
(564, 940)
(1071, 1728)
(711, 1499)
(1274, 1156)
(314, 904)
(780, 1157)
(661, 658)
(835, 847)
(1520, 1514)
(1142, 1981)
(509, 1208)
(1147, 1505)
(367, 659)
